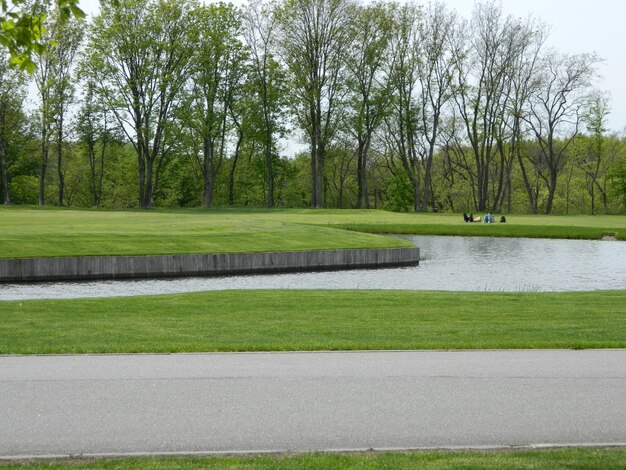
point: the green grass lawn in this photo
(314, 320)
(32, 232)
(571, 459)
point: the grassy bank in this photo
(32, 232)
(589, 459)
(314, 320)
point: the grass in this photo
(33, 232)
(588, 459)
(302, 320)
(314, 320)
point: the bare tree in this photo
(402, 125)
(556, 110)
(483, 92)
(435, 76)
(523, 78)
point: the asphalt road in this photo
(203, 403)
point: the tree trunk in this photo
(61, 184)
(3, 162)
(92, 169)
(427, 184)
(207, 172)
(567, 190)
(532, 203)
(313, 174)
(551, 191)
(43, 167)
(142, 177)
(320, 176)
(101, 174)
(269, 168)
(366, 195)
(149, 189)
(97, 175)
(233, 168)
(482, 175)
(359, 175)
(603, 196)
(314, 144)
(4, 171)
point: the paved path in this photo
(59, 405)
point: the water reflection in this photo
(448, 264)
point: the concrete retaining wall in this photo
(131, 267)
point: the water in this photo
(448, 264)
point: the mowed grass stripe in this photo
(33, 232)
(314, 320)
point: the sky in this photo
(576, 26)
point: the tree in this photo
(371, 31)
(523, 76)
(483, 93)
(435, 76)
(216, 77)
(314, 35)
(96, 131)
(67, 38)
(556, 110)
(23, 28)
(616, 176)
(598, 151)
(44, 81)
(139, 54)
(268, 79)
(402, 123)
(339, 167)
(239, 106)
(12, 119)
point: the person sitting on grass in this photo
(503, 220)
(489, 218)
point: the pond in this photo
(447, 264)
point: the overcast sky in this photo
(580, 26)
(575, 26)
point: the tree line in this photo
(401, 106)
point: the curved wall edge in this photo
(77, 268)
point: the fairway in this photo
(313, 321)
(33, 232)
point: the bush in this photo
(24, 189)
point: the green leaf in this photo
(8, 25)
(77, 12)
(29, 65)
(39, 48)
